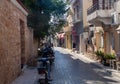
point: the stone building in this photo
(16, 39)
(100, 14)
(78, 26)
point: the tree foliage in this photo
(40, 15)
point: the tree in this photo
(40, 15)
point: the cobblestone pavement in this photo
(70, 68)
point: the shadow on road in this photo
(68, 69)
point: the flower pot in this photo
(105, 62)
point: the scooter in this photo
(48, 52)
(44, 69)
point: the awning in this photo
(61, 35)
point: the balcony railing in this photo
(116, 0)
(99, 6)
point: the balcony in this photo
(77, 17)
(100, 13)
(76, 20)
(116, 14)
(117, 6)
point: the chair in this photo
(113, 63)
(118, 65)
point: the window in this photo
(77, 8)
(102, 41)
(74, 14)
(112, 41)
(106, 4)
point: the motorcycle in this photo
(44, 70)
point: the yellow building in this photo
(68, 38)
(85, 25)
(68, 29)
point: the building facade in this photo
(77, 23)
(100, 14)
(15, 40)
(116, 24)
(68, 27)
(84, 35)
(80, 24)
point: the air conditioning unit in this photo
(115, 18)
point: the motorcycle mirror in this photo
(38, 48)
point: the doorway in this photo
(22, 39)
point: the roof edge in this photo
(20, 6)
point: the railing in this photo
(92, 8)
(99, 6)
(116, 0)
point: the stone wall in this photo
(10, 41)
(35, 47)
(32, 57)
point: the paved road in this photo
(69, 69)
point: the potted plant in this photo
(107, 58)
(100, 55)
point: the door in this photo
(22, 35)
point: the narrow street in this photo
(85, 35)
(70, 68)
